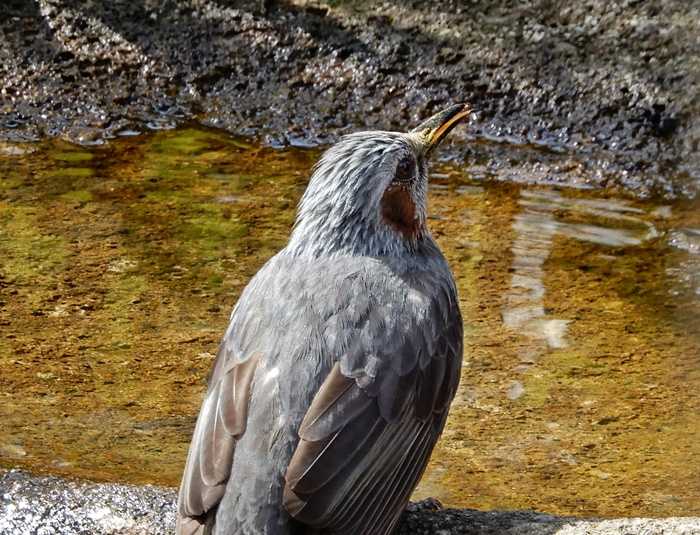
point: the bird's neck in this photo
(314, 237)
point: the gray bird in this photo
(336, 372)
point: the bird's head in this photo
(368, 192)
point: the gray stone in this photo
(54, 506)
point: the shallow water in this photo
(119, 265)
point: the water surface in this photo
(119, 266)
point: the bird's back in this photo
(298, 320)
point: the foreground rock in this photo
(53, 506)
(611, 88)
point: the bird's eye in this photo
(405, 169)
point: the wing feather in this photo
(228, 417)
(221, 421)
(385, 488)
(369, 432)
(311, 469)
(414, 469)
(216, 446)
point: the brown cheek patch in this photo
(399, 210)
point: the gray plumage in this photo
(335, 375)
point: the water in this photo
(119, 265)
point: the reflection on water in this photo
(607, 209)
(119, 266)
(687, 239)
(541, 219)
(524, 309)
(687, 272)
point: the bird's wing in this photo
(221, 421)
(369, 432)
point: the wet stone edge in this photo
(52, 505)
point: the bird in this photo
(334, 377)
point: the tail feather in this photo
(198, 525)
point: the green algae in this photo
(211, 230)
(70, 173)
(30, 256)
(10, 183)
(187, 141)
(73, 156)
(120, 265)
(80, 196)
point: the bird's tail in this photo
(200, 525)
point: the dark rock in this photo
(613, 85)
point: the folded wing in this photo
(370, 429)
(221, 421)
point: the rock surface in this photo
(52, 506)
(610, 87)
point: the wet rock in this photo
(612, 87)
(515, 390)
(422, 521)
(33, 504)
(51, 505)
(12, 451)
(12, 149)
(687, 239)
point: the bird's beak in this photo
(434, 130)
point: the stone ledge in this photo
(47, 505)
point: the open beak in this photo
(434, 130)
